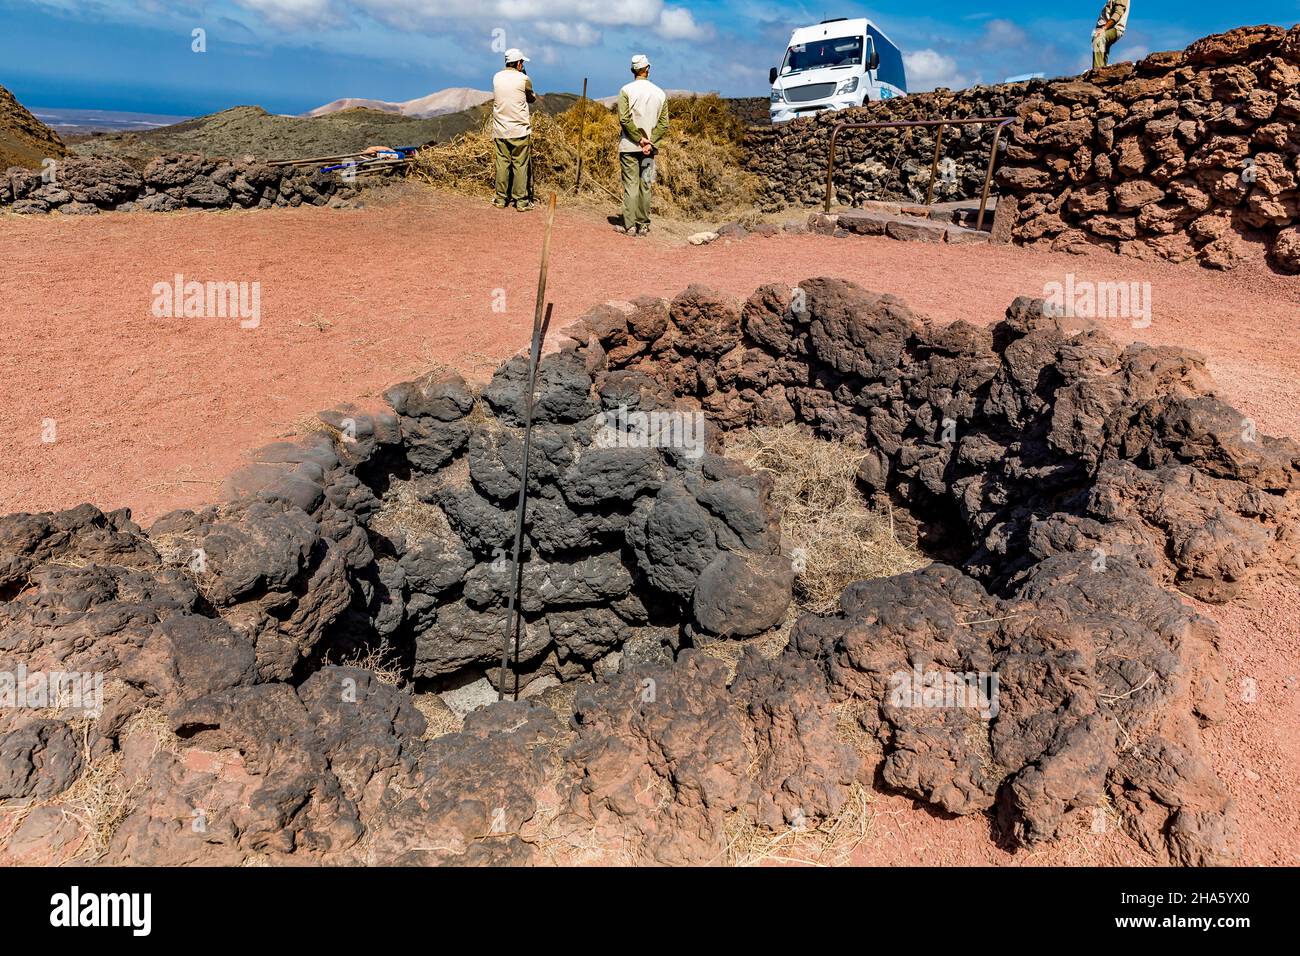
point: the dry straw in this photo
(699, 169)
(823, 512)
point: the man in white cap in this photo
(512, 128)
(643, 115)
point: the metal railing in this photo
(1002, 123)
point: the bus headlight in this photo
(848, 86)
(778, 96)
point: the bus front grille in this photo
(806, 94)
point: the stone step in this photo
(869, 222)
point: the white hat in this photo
(639, 62)
(514, 55)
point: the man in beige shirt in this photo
(512, 129)
(1110, 27)
(643, 117)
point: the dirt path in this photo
(153, 413)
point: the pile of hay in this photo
(698, 169)
(837, 536)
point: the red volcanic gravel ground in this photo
(153, 413)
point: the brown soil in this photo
(152, 413)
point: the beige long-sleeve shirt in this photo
(642, 106)
(512, 91)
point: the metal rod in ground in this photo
(582, 136)
(534, 357)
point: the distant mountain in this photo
(454, 100)
(353, 103)
(252, 130)
(442, 103)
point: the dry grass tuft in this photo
(441, 719)
(769, 644)
(699, 172)
(99, 800)
(380, 660)
(823, 512)
(831, 843)
(310, 425)
(154, 725)
(403, 512)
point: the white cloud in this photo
(568, 23)
(572, 16)
(927, 69)
(642, 13)
(1000, 34)
(677, 23)
(570, 34)
(294, 13)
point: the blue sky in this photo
(291, 55)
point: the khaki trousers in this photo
(638, 175)
(1102, 41)
(513, 156)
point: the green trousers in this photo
(513, 159)
(1102, 41)
(638, 175)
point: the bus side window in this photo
(891, 69)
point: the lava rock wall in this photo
(1183, 155)
(628, 542)
(882, 164)
(85, 186)
(1017, 441)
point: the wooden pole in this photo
(314, 159)
(534, 357)
(582, 136)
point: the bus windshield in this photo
(831, 52)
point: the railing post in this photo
(830, 170)
(934, 165)
(988, 175)
(1001, 121)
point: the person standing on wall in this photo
(1110, 27)
(643, 116)
(512, 130)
